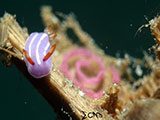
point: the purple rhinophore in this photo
(37, 46)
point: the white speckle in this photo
(115, 85)
(71, 84)
(117, 111)
(147, 25)
(119, 61)
(8, 44)
(124, 109)
(81, 93)
(106, 47)
(126, 56)
(131, 25)
(54, 70)
(22, 58)
(106, 95)
(56, 53)
(138, 70)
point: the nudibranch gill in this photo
(37, 54)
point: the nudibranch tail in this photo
(27, 57)
(49, 53)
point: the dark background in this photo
(112, 23)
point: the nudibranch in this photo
(37, 54)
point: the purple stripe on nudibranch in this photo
(37, 46)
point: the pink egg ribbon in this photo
(80, 78)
